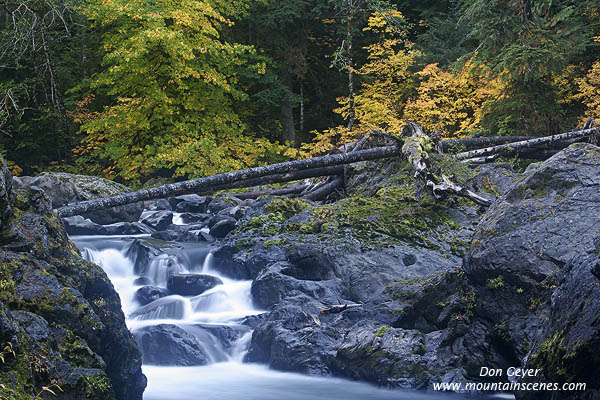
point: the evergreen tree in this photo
(527, 42)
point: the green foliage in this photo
(381, 331)
(172, 81)
(526, 43)
(495, 283)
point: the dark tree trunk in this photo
(227, 180)
(288, 133)
(350, 66)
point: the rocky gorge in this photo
(444, 287)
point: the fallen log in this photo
(535, 142)
(275, 192)
(415, 150)
(339, 308)
(278, 178)
(225, 180)
(322, 191)
(319, 166)
(475, 143)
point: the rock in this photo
(169, 345)
(531, 277)
(161, 204)
(143, 252)
(142, 281)
(227, 335)
(5, 194)
(517, 237)
(222, 228)
(158, 220)
(63, 188)
(192, 284)
(493, 180)
(199, 206)
(219, 204)
(61, 311)
(148, 294)
(195, 218)
(189, 203)
(236, 212)
(273, 284)
(79, 225)
(184, 234)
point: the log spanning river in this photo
(193, 345)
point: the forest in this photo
(143, 92)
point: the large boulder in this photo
(189, 203)
(169, 345)
(159, 220)
(63, 188)
(192, 284)
(147, 294)
(531, 261)
(60, 311)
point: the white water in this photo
(223, 305)
(226, 377)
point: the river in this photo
(220, 323)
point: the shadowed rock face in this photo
(59, 312)
(526, 292)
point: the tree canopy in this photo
(137, 90)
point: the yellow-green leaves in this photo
(173, 81)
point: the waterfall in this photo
(213, 319)
(193, 345)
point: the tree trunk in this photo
(287, 113)
(227, 180)
(55, 92)
(474, 143)
(301, 110)
(276, 192)
(350, 66)
(414, 151)
(525, 144)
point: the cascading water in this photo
(204, 316)
(193, 345)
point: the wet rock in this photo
(142, 281)
(192, 284)
(219, 204)
(227, 335)
(79, 225)
(189, 203)
(169, 345)
(158, 220)
(195, 218)
(143, 251)
(252, 321)
(184, 234)
(63, 309)
(222, 228)
(148, 294)
(63, 188)
(236, 212)
(161, 204)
